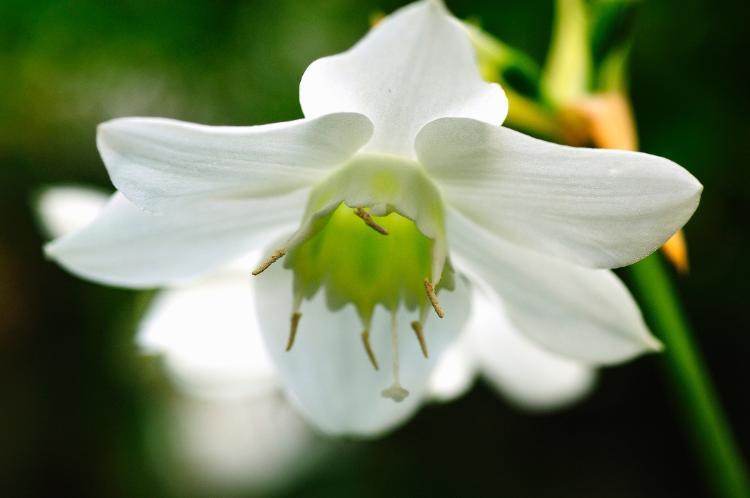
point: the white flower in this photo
(206, 331)
(402, 132)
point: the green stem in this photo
(716, 445)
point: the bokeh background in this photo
(82, 413)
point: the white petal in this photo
(62, 210)
(158, 163)
(594, 207)
(327, 372)
(529, 376)
(577, 312)
(209, 337)
(220, 448)
(416, 65)
(128, 247)
(456, 370)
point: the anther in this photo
(368, 349)
(369, 221)
(433, 298)
(419, 331)
(293, 330)
(277, 255)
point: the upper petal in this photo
(529, 376)
(128, 247)
(327, 372)
(159, 162)
(584, 314)
(594, 207)
(416, 65)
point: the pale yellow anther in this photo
(293, 329)
(277, 255)
(430, 290)
(368, 349)
(369, 221)
(419, 331)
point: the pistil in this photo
(395, 392)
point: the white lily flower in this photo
(399, 189)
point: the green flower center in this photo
(373, 234)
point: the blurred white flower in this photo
(402, 194)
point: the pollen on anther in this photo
(430, 290)
(293, 329)
(419, 332)
(277, 255)
(368, 349)
(369, 221)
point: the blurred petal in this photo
(526, 374)
(210, 339)
(455, 372)
(593, 207)
(128, 247)
(581, 313)
(159, 163)
(62, 210)
(416, 65)
(232, 445)
(327, 372)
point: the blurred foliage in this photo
(79, 401)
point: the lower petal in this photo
(584, 314)
(529, 376)
(327, 372)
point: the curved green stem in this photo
(710, 428)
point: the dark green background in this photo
(75, 398)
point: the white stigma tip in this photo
(395, 392)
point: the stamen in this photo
(368, 349)
(433, 298)
(395, 391)
(293, 330)
(369, 221)
(277, 255)
(419, 331)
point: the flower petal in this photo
(529, 376)
(456, 370)
(584, 314)
(158, 163)
(209, 337)
(128, 247)
(593, 207)
(416, 65)
(62, 210)
(327, 372)
(232, 447)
